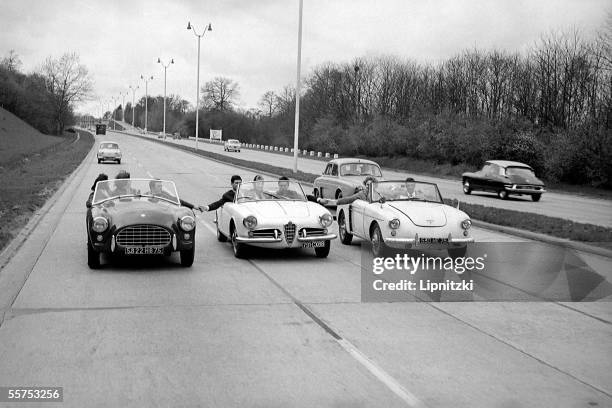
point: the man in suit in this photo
(227, 197)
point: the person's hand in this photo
(203, 208)
(323, 201)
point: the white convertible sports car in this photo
(405, 215)
(274, 214)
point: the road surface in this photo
(283, 329)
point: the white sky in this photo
(254, 42)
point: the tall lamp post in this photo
(146, 80)
(123, 94)
(197, 125)
(133, 108)
(297, 94)
(159, 61)
(115, 102)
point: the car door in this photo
(323, 181)
(479, 181)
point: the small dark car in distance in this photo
(134, 217)
(504, 178)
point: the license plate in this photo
(313, 244)
(433, 240)
(144, 251)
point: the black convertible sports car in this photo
(504, 178)
(139, 217)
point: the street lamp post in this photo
(115, 100)
(146, 80)
(123, 94)
(197, 124)
(133, 108)
(297, 94)
(159, 61)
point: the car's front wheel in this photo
(187, 256)
(239, 249)
(93, 257)
(322, 252)
(467, 187)
(536, 197)
(99, 161)
(220, 236)
(457, 252)
(345, 237)
(118, 161)
(379, 248)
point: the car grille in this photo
(528, 187)
(265, 233)
(143, 235)
(312, 232)
(289, 232)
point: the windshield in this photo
(405, 191)
(519, 171)
(118, 188)
(270, 190)
(109, 146)
(360, 169)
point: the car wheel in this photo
(536, 197)
(345, 237)
(93, 257)
(187, 257)
(338, 194)
(220, 236)
(118, 161)
(502, 194)
(378, 244)
(322, 252)
(239, 249)
(467, 187)
(99, 161)
(457, 252)
(316, 193)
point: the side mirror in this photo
(382, 200)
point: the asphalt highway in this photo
(286, 329)
(562, 205)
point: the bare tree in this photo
(269, 103)
(220, 94)
(11, 62)
(68, 82)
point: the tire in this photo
(322, 252)
(118, 161)
(187, 256)
(345, 237)
(93, 257)
(536, 197)
(316, 193)
(457, 252)
(338, 194)
(99, 161)
(502, 194)
(239, 249)
(220, 236)
(467, 187)
(379, 248)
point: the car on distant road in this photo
(134, 217)
(405, 215)
(232, 145)
(109, 151)
(161, 135)
(274, 214)
(504, 178)
(342, 176)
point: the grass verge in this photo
(27, 184)
(553, 226)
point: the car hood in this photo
(128, 211)
(422, 214)
(278, 209)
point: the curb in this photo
(566, 243)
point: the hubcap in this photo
(342, 229)
(376, 241)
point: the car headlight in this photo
(326, 220)
(250, 222)
(187, 223)
(466, 224)
(394, 223)
(100, 224)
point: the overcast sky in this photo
(254, 42)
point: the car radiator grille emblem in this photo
(143, 235)
(289, 232)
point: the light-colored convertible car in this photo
(342, 176)
(405, 215)
(274, 214)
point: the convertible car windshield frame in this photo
(269, 191)
(401, 190)
(123, 188)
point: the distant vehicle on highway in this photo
(109, 151)
(232, 145)
(100, 129)
(504, 178)
(405, 215)
(274, 214)
(139, 217)
(161, 135)
(342, 176)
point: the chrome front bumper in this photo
(259, 240)
(414, 242)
